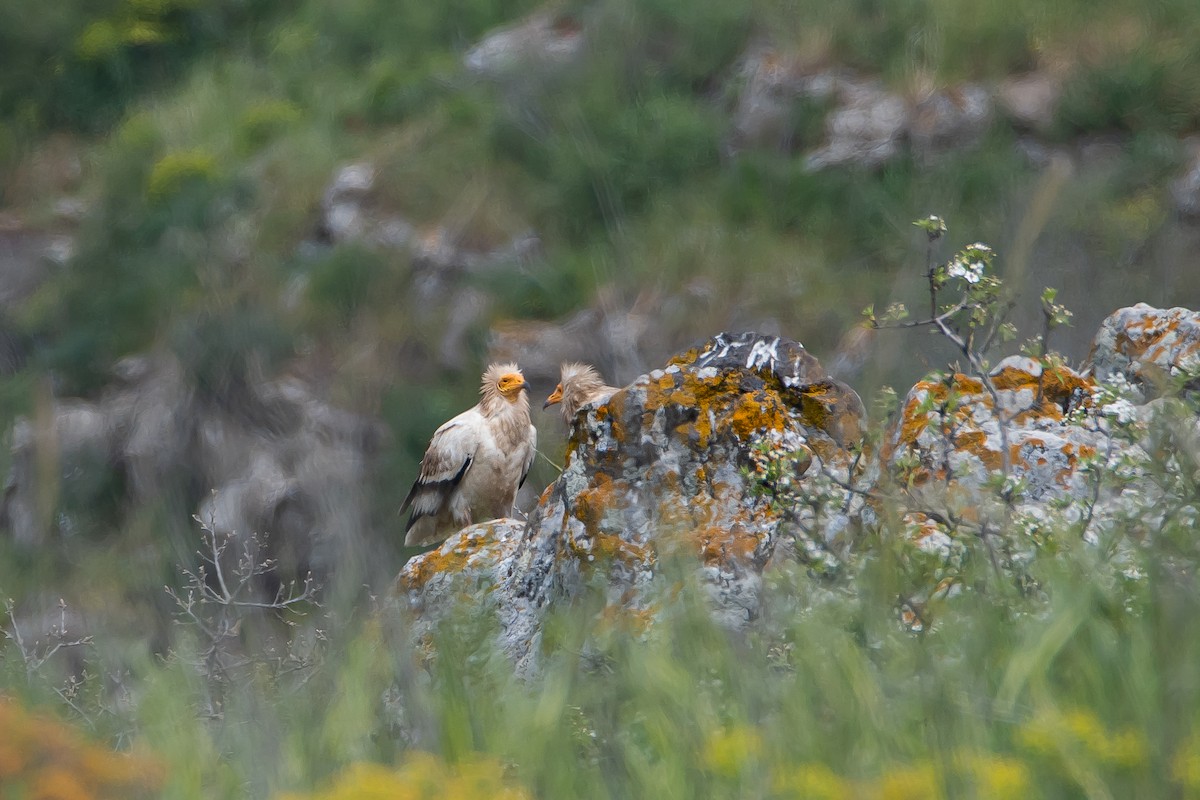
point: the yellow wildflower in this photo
(916, 782)
(728, 751)
(812, 782)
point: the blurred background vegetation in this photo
(165, 167)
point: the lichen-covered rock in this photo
(1148, 347)
(476, 563)
(673, 468)
(954, 437)
(1006, 466)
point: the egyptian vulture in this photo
(579, 385)
(475, 462)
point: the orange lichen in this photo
(720, 546)
(685, 359)
(451, 557)
(975, 443)
(1057, 387)
(598, 545)
(756, 412)
(592, 503)
(720, 404)
(913, 421)
(828, 406)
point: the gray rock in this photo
(866, 129)
(950, 120)
(1030, 100)
(771, 86)
(542, 40)
(281, 462)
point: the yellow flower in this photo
(998, 777)
(1082, 732)
(423, 776)
(916, 782)
(812, 782)
(728, 751)
(1185, 766)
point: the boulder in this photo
(866, 129)
(771, 87)
(953, 436)
(1030, 100)
(543, 40)
(682, 466)
(1039, 452)
(950, 120)
(1150, 348)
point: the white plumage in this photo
(475, 462)
(578, 386)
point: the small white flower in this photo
(971, 272)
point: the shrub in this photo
(176, 171)
(1143, 91)
(264, 121)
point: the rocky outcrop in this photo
(280, 461)
(742, 452)
(955, 435)
(772, 85)
(349, 213)
(674, 469)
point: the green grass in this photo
(1083, 688)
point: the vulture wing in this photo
(450, 454)
(531, 450)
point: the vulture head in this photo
(579, 385)
(503, 381)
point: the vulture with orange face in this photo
(578, 386)
(475, 462)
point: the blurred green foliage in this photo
(79, 63)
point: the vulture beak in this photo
(555, 397)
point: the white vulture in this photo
(475, 462)
(578, 386)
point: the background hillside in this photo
(363, 202)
